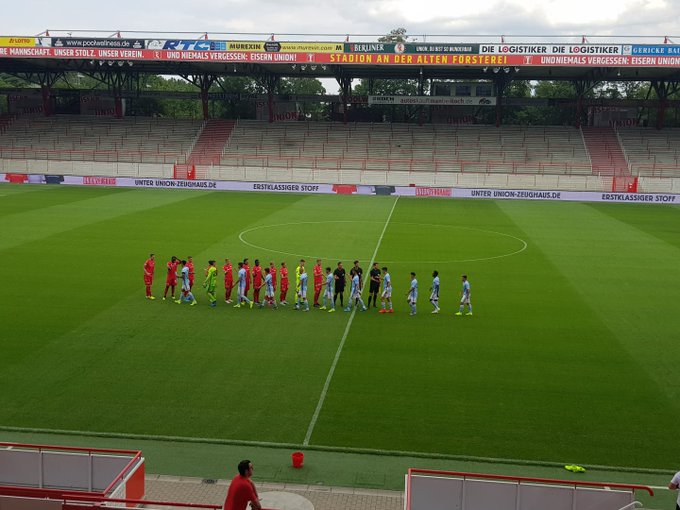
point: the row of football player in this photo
(333, 286)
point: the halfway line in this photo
(329, 377)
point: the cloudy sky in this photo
(460, 17)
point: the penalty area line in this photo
(329, 377)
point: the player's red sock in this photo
(316, 296)
(148, 290)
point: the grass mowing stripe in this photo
(37, 224)
(637, 263)
(326, 385)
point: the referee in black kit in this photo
(339, 276)
(374, 289)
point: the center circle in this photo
(415, 243)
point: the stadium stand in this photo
(606, 154)
(5, 122)
(651, 152)
(85, 138)
(406, 147)
(211, 142)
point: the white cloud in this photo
(509, 17)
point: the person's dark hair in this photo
(328, 269)
(266, 270)
(240, 264)
(356, 261)
(384, 269)
(211, 262)
(245, 260)
(184, 262)
(151, 254)
(412, 273)
(243, 467)
(257, 262)
(435, 273)
(464, 276)
(339, 264)
(173, 258)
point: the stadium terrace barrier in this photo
(92, 155)
(656, 170)
(442, 490)
(411, 165)
(42, 477)
(107, 169)
(42, 471)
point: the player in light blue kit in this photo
(434, 296)
(387, 292)
(412, 294)
(355, 293)
(328, 292)
(241, 289)
(465, 297)
(269, 297)
(302, 292)
(186, 294)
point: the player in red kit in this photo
(246, 266)
(284, 284)
(228, 280)
(149, 267)
(190, 265)
(318, 282)
(257, 281)
(171, 279)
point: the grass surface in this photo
(570, 357)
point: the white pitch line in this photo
(329, 377)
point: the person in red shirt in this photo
(246, 266)
(228, 280)
(318, 282)
(284, 284)
(149, 267)
(257, 281)
(190, 265)
(171, 279)
(242, 490)
(272, 271)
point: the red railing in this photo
(74, 498)
(407, 165)
(68, 496)
(655, 170)
(101, 156)
(69, 448)
(519, 480)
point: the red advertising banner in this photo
(561, 60)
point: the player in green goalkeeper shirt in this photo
(211, 283)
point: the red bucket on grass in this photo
(298, 459)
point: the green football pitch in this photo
(571, 354)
